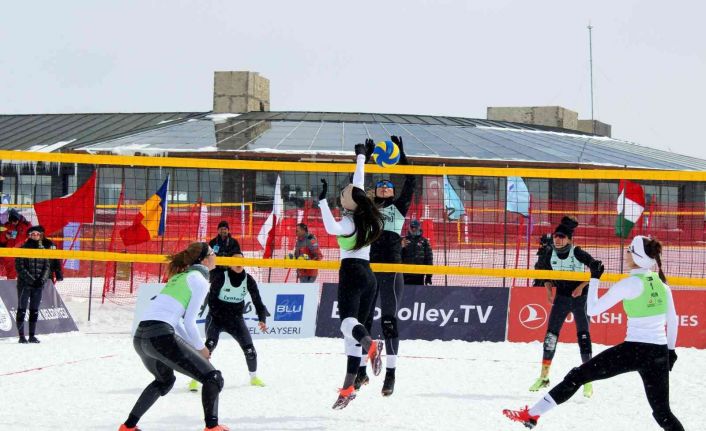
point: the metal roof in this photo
(50, 132)
(330, 133)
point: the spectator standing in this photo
(32, 274)
(416, 250)
(307, 248)
(13, 234)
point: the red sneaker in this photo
(374, 355)
(217, 428)
(345, 396)
(124, 427)
(523, 416)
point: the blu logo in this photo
(289, 307)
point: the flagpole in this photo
(95, 216)
(504, 230)
(622, 226)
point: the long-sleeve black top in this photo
(563, 287)
(223, 311)
(387, 248)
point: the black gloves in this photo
(596, 268)
(398, 140)
(360, 149)
(324, 189)
(365, 149)
(672, 359)
(59, 276)
(39, 283)
(427, 280)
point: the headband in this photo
(639, 256)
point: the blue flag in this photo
(452, 203)
(518, 197)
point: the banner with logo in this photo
(432, 313)
(54, 317)
(292, 308)
(529, 314)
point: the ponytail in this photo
(653, 249)
(366, 218)
(180, 262)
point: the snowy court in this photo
(89, 381)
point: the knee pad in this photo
(584, 342)
(250, 352)
(352, 347)
(215, 378)
(550, 341)
(347, 326)
(211, 344)
(389, 327)
(165, 386)
(574, 377)
(33, 315)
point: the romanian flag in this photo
(151, 221)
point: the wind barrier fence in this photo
(114, 218)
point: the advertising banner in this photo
(432, 313)
(292, 308)
(54, 317)
(529, 314)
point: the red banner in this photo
(529, 314)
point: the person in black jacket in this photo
(570, 297)
(31, 276)
(416, 250)
(226, 304)
(388, 249)
(223, 245)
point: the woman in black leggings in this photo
(647, 301)
(357, 229)
(167, 339)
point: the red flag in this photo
(270, 244)
(78, 207)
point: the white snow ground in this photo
(89, 381)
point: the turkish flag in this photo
(77, 207)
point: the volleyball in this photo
(386, 153)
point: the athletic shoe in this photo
(361, 379)
(124, 427)
(193, 386)
(22, 340)
(541, 382)
(33, 339)
(588, 390)
(522, 416)
(345, 396)
(256, 381)
(375, 356)
(388, 386)
(217, 428)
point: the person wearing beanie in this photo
(647, 349)
(32, 274)
(416, 250)
(569, 297)
(13, 234)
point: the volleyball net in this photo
(113, 219)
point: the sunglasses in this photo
(631, 249)
(385, 183)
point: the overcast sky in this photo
(419, 57)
